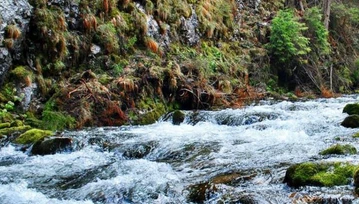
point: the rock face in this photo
(351, 121)
(13, 15)
(189, 30)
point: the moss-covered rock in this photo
(351, 121)
(351, 109)
(356, 135)
(339, 149)
(178, 117)
(4, 125)
(17, 123)
(32, 136)
(319, 174)
(12, 130)
(149, 112)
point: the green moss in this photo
(149, 111)
(339, 149)
(319, 174)
(17, 123)
(356, 135)
(351, 109)
(54, 120)
(106, 36)
(4, 125)
(32, 136)
(21, 72)
(12, 130)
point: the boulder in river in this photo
(51, 145)
(178, 117)
(201, 192)
(339, 149)
(351, 109)
(319, 174)
(351, 121)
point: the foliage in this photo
(287, 40)
(313, 18)
(55, 120)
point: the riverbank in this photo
(231, 155)
(71, 65)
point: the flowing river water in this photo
(227, 156)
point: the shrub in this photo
(319, 34)
(287, 40)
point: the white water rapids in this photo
(160, 163)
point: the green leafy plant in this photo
(319, 34)
(287, 40)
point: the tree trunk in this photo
(326, 10)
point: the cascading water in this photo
(233, 156)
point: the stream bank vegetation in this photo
(116, 62)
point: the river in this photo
(237, 156)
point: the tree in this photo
(326, 10)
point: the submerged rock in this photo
(351, 121)
(51, 146)
(319, 174)
(139, 151)
(339, 149)
(351, 109)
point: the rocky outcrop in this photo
(14, 23)
(189, 30)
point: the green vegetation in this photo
(319, 174)
(339, 149)
(287, 41)
(314, 21)
(55, 120)
(32, 136)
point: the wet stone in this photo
(51, 146)
(351, 121)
